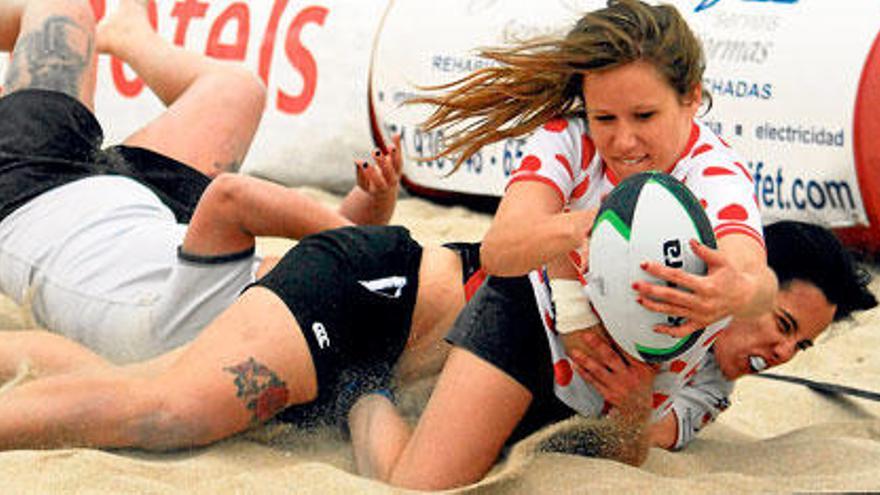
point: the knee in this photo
(245, 87)
(224, 192)
(80, 11)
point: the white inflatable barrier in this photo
(796, 87)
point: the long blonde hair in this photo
(541, 79)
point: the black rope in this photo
(824, 387)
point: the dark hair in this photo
(803, 251)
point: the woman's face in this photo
(800, 314)
(637, 120)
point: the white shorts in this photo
(97, 260)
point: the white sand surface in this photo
(776, 437)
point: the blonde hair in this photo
(542, 79)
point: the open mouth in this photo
(757, 364)
(629, 162)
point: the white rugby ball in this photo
(650, 216)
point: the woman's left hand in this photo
(699, 299)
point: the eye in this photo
(783, 325)
(645, 115)
(805, 344)
(603, 118)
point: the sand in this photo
(776, 437)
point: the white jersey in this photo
(97, 260)
(562, 156)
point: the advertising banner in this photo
(793, 83)
(795, 88)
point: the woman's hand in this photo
(699, 299)
(625, 382)
(383, 176)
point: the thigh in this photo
(209, 127)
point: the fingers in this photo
(370, 177)
(396, 156)
(675, 276)
(383, 175)
(683, 330)
(710, 256)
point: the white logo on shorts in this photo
(321, 334)
(390, 287)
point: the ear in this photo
(694, 99)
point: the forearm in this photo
(515, 247)
(378, 436)
(757, 285)
(664, 433)
(363, 208)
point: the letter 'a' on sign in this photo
(648, 217)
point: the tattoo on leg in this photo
(263, 393)
(54, 57)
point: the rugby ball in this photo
(650, 216)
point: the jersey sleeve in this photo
(700, 401)
(557, 155)
(725, 189)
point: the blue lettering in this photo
(798, 186)
(705, 4)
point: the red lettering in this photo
(301, 59)
(133, 87)
(268, 45)
(99, 7)
(233, 51)
(185, 11)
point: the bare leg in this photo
(214, 108)
(44, 353)
(236, 208)
(54, 46)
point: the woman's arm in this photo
(472, 412)
(530, 229)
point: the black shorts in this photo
(501, 325)
(48, 139)
(352, 291)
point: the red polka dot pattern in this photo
(658, 399)
(704, 203)
(530, 163)
(745, 172)
(701, 149)
(716, 171)
(548, 320)
(564, 161)
(677, 366)
(580, 189)
(556, 125)
(588, 150)
(733, 212)
(562, 372)
(710, 340)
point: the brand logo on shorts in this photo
(321, 334)
(390, 287)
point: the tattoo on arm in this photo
(53, 57)
(263, 393)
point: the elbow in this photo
(492, 258)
